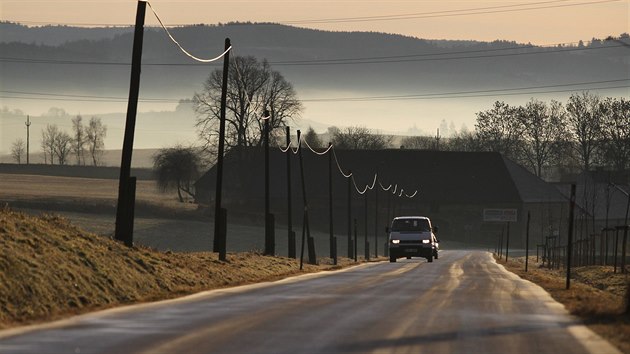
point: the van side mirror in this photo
(386, 229)
(435, 229)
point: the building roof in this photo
(439, 176)
(531, 188)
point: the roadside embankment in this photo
(50, 269)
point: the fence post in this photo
(356, 251)
(570, 236)
(527, 241)
(507, 242)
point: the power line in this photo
(448, 13)
(436, 95)
(378, 61)
(180, 46)
(466, 93)
(393, 17)
(341, 61)
(394, 98)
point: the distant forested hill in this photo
(95, 61)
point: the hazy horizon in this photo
(537, 22)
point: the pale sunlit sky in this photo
(535, 21)
(525, 21)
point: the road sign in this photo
(499, 215)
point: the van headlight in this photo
(426, 241)
(395, 242)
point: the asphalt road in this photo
(461, 303)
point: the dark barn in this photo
(453, 189)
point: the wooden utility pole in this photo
(376, 188)
(306, 231)
(270, 242)
(330, 207)
(220, 214)
(291, 234)
(365, 218)
(28, 137)
(126, 185)
(570, 237)
(350, 244)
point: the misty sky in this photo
(525, 21)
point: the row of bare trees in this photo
(588, 130)
(87, 143)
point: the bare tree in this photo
(353, 138)
(585, 124)
(18, 149)
(62, 147)
(616, 131)
(544, 127)
(79, 141)
(465, 141)
(498, 129)
(49, 136)
(253, 87)
(312, 138)
(95, 134)
(177, 167)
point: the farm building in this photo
(453, 189)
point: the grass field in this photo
(165, 224)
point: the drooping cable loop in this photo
(315, 152)
(411, 196)
(383, 188)
(373, 182)
(331, 149)
(339, 166)
(179, 45)
(357, 187)
(284, 150)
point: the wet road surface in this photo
(463, 302)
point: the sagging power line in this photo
(405, 58)
(506, 91)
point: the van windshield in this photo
(410, 225)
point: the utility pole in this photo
(306, 230)
(28, 137)
(333, 241)
(570, 237)
(376, 188)
(437, 140)
(270, 246)
(367, 243)
(220, 214)
(126, 186)
(291, 234)
(350, 244)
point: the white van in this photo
(413, 236)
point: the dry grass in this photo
(596, 296)
(52, 190)
(50, 269)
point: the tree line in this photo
(588, 130)
(86, 144)
(585, 132)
